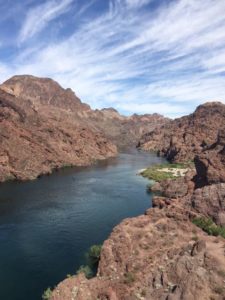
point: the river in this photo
(48, 224)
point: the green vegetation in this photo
(67, 165)
(158, 172)
(86, 270)
(209, 226)
(10, 178)
(92, 260)
(47, 294)
(156, 175)
(129, 277)
(94, 254)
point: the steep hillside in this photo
(34, 142)
(183, 138)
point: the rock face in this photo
(124, 131)
(183, 138)
(210, 164)
(44, 127)
(154, 256)
(35, 140)
(162, 254)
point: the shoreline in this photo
(153, 246)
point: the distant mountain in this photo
(181, 139)
(43, 127)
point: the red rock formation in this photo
(210, 164)
(38, 132)
(183, 138)
(154, 256)
(43, 127)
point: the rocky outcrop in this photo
(160, 255)
(37, 137)
(45, 127)
(210, 164)
(210, 202)
(183, 138)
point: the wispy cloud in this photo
(38, 17)
(137, 3)
(167, 59)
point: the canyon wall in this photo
(45, 127)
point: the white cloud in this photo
(38, 17)
(136, 3)
(168, 61)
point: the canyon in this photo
(45, 127)
(163, 254)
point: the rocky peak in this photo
(43, 91)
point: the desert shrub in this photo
(92, 260)
(94, 254)
(86, 270)
(129, 277)
(209, 226)
(47, 294)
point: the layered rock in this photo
(183, 138)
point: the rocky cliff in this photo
(183, 138)
(35, 141)
(45, 127)
(163, 254)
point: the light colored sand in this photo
(140, 171)
(175, 171)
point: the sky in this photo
(138, 56)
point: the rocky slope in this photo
(162, 254)
(124, 131)
(34, 143)
(43, 127)
(183, 138)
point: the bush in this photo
(86, 270)
(209, 226)
(129, 277)
(92, 260)
(47, 294)
(94, 254)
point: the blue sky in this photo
(138, 56)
